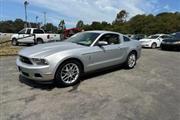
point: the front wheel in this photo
(154, 45)
(68, 73)
(131, 60)
(14, 42)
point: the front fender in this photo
(58, 59)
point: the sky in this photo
(87, 10)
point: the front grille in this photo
(25, 60)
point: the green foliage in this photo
(61, 26)
(141, 24)
(121, 17)
(80, 24)
(50, 28)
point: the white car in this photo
(33, 35)
(153, 41)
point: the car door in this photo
(21, 35)
(29, 37)
(26, 36)
(107, 55)
(161, 38)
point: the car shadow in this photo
(25, 45)
(170, 50)
(50, 85)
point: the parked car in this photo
(70, 32)
(33, 35)
(153, 41)
(138, 36)
(172, 42)
(65, 62)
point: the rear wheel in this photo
(14, 42)
(154, 45)
(39, 41)
(131, 60)
(68, 73)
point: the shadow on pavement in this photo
(37, 84)
(49, 85)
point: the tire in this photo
(39, 41)
(14, 42)
(131, 61)
(162, 47)
(65, 75)
(154, 46)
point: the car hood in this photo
(144, 40)
(44, 50)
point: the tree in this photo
(121, 17)
(50, 28)
(80, 24)
(62, 25)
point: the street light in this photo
(25, 6)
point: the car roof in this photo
(102, 32)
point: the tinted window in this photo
(38, 31)
(28, 31)
(153, 37)
(165, 36)
(110, 38)
(126, 39)
(178, 35)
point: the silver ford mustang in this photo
(87, 51)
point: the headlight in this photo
(177, 42)
(39, 61)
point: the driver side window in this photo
(22, 31)
(110, 39)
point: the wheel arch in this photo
(134, 51)
(39, 38)
(14, 38)
(69, 59)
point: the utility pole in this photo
(25, 7)
(44, 20)
(37, 21)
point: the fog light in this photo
(37, 75)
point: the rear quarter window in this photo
(126, 39)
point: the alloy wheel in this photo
(69, 73)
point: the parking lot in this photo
(150, 91)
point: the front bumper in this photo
(40, 73)
(145, 44)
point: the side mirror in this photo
(102, 43)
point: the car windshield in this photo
(84, 38)
(153, 37)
